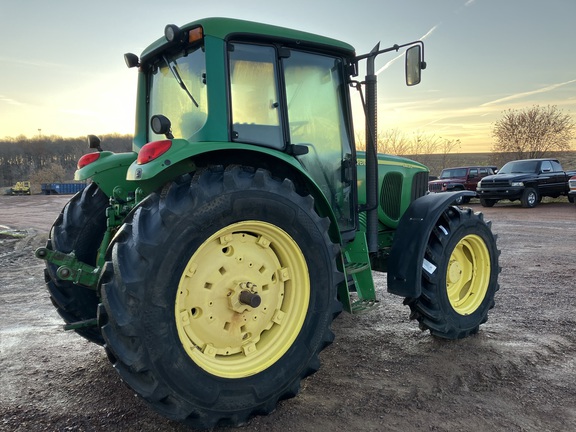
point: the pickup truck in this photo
(460, 178)
(572, 186)
(527, 180)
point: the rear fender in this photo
(108, 171)
(410, 241)
(182, 156)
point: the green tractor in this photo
(211, 260)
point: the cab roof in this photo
(228, 28)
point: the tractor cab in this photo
(268, 96)
(272, 93)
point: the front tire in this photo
(176, 326)
(459, 277)
(530, 198)
(487, 202)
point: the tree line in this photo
(519, 134)
(49, 159)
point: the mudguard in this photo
(411, 238)
(108, 171)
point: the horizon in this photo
(67, 77)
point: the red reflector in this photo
(87, 159)
(153, 150)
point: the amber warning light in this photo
(195, 35)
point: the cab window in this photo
(315, 99)
(254, 95)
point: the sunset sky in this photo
(63, 72)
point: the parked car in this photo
(527, 180)
(460, 178)
(572, 192)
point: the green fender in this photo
(179, 159)
(108, 171)
(410, 241)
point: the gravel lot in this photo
(382, 373)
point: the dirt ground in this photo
(381, 374)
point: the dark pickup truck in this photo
(527, 180)
(460, 178)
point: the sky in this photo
(62, 69)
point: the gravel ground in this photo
(382, 373)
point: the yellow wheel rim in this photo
(242, 299)
(468, 274)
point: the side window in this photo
(483, 172)
(473, 173)
(546, 166)
(254, 95)
(556, 167)
(316, 102)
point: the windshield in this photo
(453, 173)
(178, 91)
(519, 167)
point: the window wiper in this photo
(174, 70)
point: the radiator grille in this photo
(435, 187)
(496, 182)
(420, 185)
(391, 194)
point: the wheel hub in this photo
(454, 271)
(242, 299)
(468, 274)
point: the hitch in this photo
(70, 268)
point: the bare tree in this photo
(21, 158)
(447, 147)
(394, 142)
(533, 132)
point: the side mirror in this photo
(414, 65)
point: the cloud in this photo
(528, 93)
(28, 62)
(469, 2)
(10, 101)
(433, 29)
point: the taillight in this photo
(153, 150)
(87, 159)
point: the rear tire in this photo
(459, 276)
(80, 228)
(174, 326)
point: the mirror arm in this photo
(394, 47)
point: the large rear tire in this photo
(459, 277)
(80, 228)
(220, 295)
